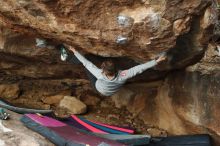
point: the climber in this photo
(107, 80)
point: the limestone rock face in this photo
(137, 29)
(10, 91)
(90, 100)
(187, 102)
(123, 97)
(53, 99)
(73, 105)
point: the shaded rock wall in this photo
(20, 56)
(186, 102)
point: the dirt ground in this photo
(106, 112)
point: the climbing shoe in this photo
(63, 53)
(3, 114)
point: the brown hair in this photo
(109, 68)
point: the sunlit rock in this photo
(73, 105)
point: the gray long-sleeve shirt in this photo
(106, 86)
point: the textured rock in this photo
(123, 97)
(187, 102)
(33, 103)
(73, 105)
(136, 97)
(96, 30)
(10, 91)
(90, 100)
(180, 27)
(156, 132)
(55, 99)
(191, 103)
(14, 133)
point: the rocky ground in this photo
(49, 93)
(19, 91)
(14, 133)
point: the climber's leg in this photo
(66, 55)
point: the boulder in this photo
(73, 105)
(137, 29)
(9, 91)
(53, 99)
(146, 28)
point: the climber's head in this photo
(109, 68)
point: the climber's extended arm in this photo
(89, 65)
